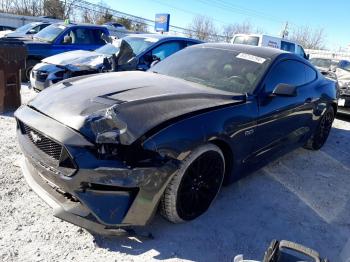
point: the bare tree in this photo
(237, 28)
(309, 38)
(54, 8)
(202, 28)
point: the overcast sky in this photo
(268, 15)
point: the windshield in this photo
(25, 28)
(50, 33)
(226, 70)
(246, 40)
(323, 62)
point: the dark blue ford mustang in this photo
(107, 150)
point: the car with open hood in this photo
(133, 52)
(107, 151)
(62, 37)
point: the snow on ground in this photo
(303, 196)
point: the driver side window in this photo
(289, 72)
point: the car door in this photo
(285, 121)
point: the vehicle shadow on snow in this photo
(301, 197)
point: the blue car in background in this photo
(133, 52)
(62, 37)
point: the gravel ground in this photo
(303, 196)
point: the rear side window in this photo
(289, 72)
(287, 46)
(300, 51)
(246, 40)
(310, 74)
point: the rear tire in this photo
(319, 138)
(194, 186)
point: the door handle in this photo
(308, 100)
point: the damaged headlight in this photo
(107, 128)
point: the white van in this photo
(269, 41)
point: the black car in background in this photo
(105, 151)
(133, 52)
(6, 27)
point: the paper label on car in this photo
(252, 58)
(341, 102)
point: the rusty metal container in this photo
(12, 59)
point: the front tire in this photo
(25, 73)
(194, 186)
(319, 138)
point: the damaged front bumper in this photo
(99, 195)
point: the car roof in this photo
(80, 25)
(265, 52)
(160, 37)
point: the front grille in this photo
(42, 142)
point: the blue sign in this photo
(162, 22)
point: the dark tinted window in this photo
(166, 49)
(226, 70)
(286, 72)
(97, 37)
(43, 26)
(287, 46)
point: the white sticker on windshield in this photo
(61, 27)
(252, 58)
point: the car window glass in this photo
(97, 35)
(167, 49)
(225, 70)
(287, 46)
(300, 51)
(289, 72)
(310, 74)
(246, 40)
(82, 36)
(36, 29)
(345, 65)
(43, 26)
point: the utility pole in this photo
(285, 30)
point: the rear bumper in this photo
(99, 195)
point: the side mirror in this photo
(285, 90)
(31, 32)
(67, 39)
(307, 57)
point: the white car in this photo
(269, 41)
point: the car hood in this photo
(78, 58)
(134, 102)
